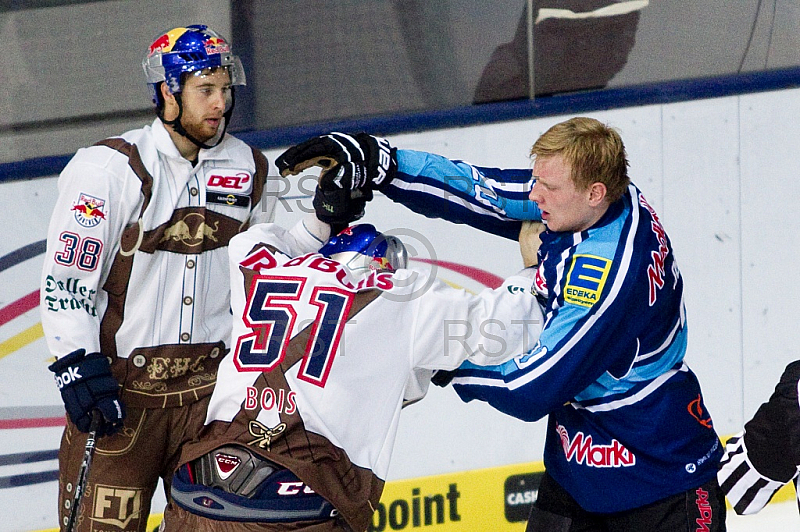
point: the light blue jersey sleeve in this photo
(489, 199)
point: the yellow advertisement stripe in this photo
(472, 501)
(18, 341)
(466, 501)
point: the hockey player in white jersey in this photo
(134, 294)
(326, 348)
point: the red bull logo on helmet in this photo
(89, 210)
(166, 41)
(215, 45)
(380, 263)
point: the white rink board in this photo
(723, 175)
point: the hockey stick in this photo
(83, 474)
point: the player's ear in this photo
(597, 193)
(170, 105)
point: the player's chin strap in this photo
(178, 126)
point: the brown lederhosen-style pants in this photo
(126, 467)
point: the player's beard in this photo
(200, 129)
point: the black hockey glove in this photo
(337, 208)
(353, 162)
(86, 384)
(442, 377)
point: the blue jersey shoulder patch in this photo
(586, 279)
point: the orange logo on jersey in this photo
(697, 411)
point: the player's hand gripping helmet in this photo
(362, 249)
(192, 49)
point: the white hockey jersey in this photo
(320, 363)
(136, 264)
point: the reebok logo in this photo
(68, 377)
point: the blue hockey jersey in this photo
(627, 424)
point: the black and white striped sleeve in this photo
(747, 490)
(766, 455)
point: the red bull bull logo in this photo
(166, 41)
(159, 44)
(215, 45)
(380, 263)
(89, 210)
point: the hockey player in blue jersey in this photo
(630, 445)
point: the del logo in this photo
(229, 181)
(586, 279)
(584, 451)
(89, 210)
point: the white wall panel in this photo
(770, 159)
(701, 215)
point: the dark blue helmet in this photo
(190, 49)
(362, 248)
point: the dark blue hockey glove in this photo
(352, 162)
(86, 384)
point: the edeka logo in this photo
(403, 514)
(586, 279)
(117, 506)
(520, 493)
